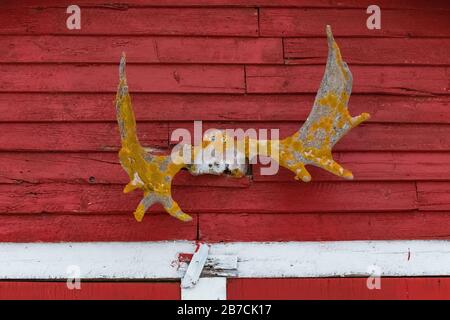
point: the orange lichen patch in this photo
(151, 173)
(339, 60)
(312, 144)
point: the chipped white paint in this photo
(206, 289)
(158, 260)
(216, 265)
(97, 260)
(195, 266)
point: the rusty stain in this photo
(312, 144)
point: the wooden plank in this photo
(142, 78)
(132, 21)
(96, 260)
(398, 4)
(104, 168)
(328, 259)
(88, 49)
(379, 51)
(433, 195)
(88, 137)
(155, 260)
(338, 289)
(324, 226)
(402, 80)
(28, 290)
(219, 79)
(367, 137)
(373, 166)
(288, 22)
(75, 136)
(92, 168)
(397, 138)
(31, 107)
(261, 197)
(85, 228)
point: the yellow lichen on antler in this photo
(151, 173)
(327, 123)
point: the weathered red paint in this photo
(345, 226)
(261, 197)
(227, 62)
(73, 107)
(165, 21)
(59, 227)
(393, 51)
(338, 289)
(289, 22)
(104, 168)
(23, 290)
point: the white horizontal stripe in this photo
(157, 260)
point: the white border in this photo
(158, 260)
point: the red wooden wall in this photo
(235, 64)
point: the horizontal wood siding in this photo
(21, 290)
(339, 289)
(232, 64)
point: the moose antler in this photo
(312, 144)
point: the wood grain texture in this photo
(132, 21)
(28, 290)
(324, 226)
(338, 289)
(233, 64)
(92, 168)
(366, 137)
(386, 166)
(219, 79)
(103, 78)
(378, 51)
(88, 137)
(160, 260)
(366, 79)
(139, 49)
(75, 136)
(258, 198)
(104, 168)
(398, 4)
(288, 22)
(433, 195)
(32, 107)
(85, 228)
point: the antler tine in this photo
(122, 67)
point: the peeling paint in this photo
(312, 144)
